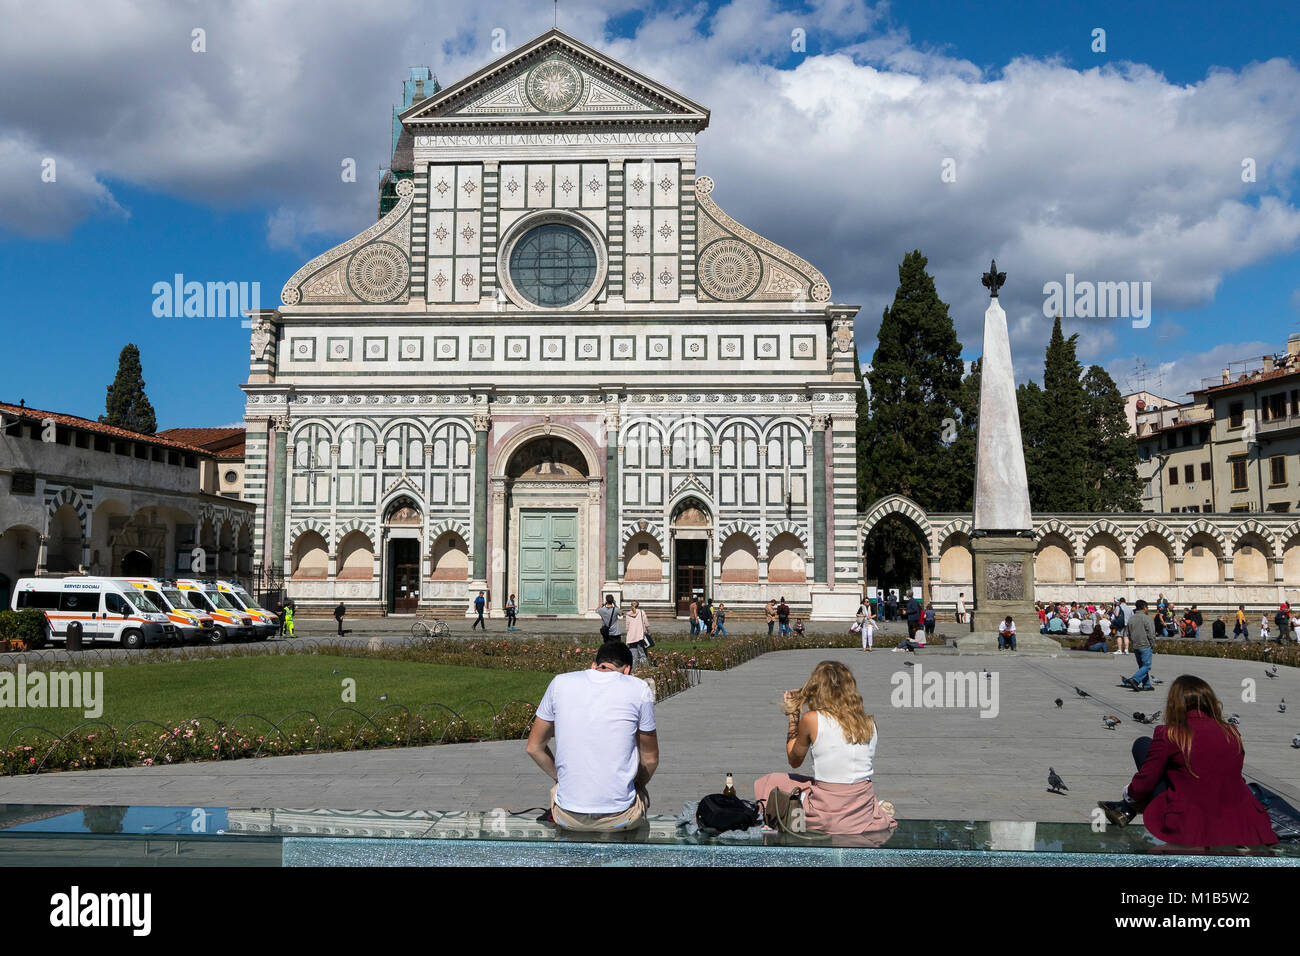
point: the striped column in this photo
(844, 499)
(255, 450)
(687, 247)
(420, 232)
(611, 496)
(481, 423)
(491, 229)
(617, 223)
(821, 541)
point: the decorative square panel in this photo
(731, 346)
(553, 348)
(338, 349)
(374, 349)
(767, 347)
(446, 348)
(695, 347)
(659, 347)
(482, 348)
(410, 349)
(803, 346)
(516, 348)
(302, 350)
(622, 347)
(587, 348)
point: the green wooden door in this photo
(548, 562)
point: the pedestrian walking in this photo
(338, 616)
(720, 620)
(769, 613)
(512, 613)
(480, 603)
(611, 620)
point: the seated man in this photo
(1055, 625)
(1007, 635)
(606, 748)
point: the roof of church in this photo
(226, 441)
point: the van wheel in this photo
(133, 640)
(218, 636)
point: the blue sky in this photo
(224, 166)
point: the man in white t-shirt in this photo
(606, 748)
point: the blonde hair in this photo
(832, 690)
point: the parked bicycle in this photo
(427, 627)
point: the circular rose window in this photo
(553, 265)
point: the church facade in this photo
(556, 369)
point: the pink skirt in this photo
(831, 807)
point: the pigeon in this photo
(1082, 693)
(1142, 718)
(909, 663)
(1059, 703)
(1295, 741)
(1054, 783)
(1271, 672)
(1111, 722)
(1281, 708)
(383, 697)
(334, 671)
(1234, 720)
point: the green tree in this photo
(963, 447)
(916, 379)
(1064, 443)
(1111, 480)
(1029, 403)
(127, 406)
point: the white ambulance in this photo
(229, 622)
(105, 609)
(265, 623)
(192, 626)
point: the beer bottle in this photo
(730, 789)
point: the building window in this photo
(1238, 466)
(1275, 407)
(1189, 473)
(1277, 469)
(553, 265)
(1206, 470)
(1146, 490)
(1235, 412)
(1173, 476)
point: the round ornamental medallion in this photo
(554, 86)
(378, 272)
(729, 270)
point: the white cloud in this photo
(1109, 173)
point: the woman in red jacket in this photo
(1188, 787)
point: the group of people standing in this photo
(708, 617)
(630, 627)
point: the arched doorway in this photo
(691, 527)
(895, 558)
(402, 529)
(547, 498)
(137, 564)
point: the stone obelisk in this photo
(1002, 542)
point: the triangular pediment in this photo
(555, 79)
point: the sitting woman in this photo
(1096, 640)
(1188, 787)
(841, 738)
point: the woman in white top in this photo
(867, 625)
(828, 722)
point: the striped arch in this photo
(652, 528)
(1251, 526)
(1290, 534)
(781, 527)
(354, 524)
(299, 528)
(70, 496)
(958, 526)
(1057, 526)
(894, 504)
(1156, 527)
(439, 528)
(739, 526)
(1201, 526)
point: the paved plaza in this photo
(932, 762)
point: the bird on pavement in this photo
(1054, 783)
(1234, 720)
(1110, 722)
(1271, 672)
(1082, 693)
(1059, 703)
(1281, 707)
(1295, 741)
(1142, 718)
(909, 663)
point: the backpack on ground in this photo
(719, 813)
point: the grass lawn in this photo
(277, 686)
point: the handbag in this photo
(784, 812)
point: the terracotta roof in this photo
(1250, 380)
(226, 441)
(37, 415)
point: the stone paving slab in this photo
(932, 762)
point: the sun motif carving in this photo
(594, 185)
(554, 86)
(441, 233)
(469, 187)
(729, 270)
(467, 279)
(638, 278)
(440, 280)
(467, 233)
(665, 278)
(665, 184)
(567, 186)
(513, 185)
(442, 187)
(539, 187)
(665, 230)
(638, 231)
(638, 184)
(378, 272)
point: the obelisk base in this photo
(1004, 585)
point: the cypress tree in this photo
(1064, 442)
(127, 406)
(916, 379)
(860, 434)
(963, 448)
(1029, 403)
(1110, 468)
